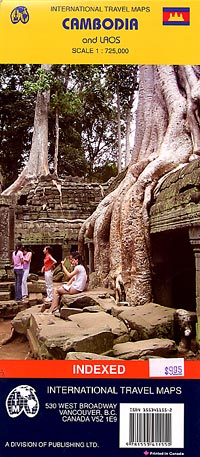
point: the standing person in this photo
(47, 269)
(76, 284)
(17, 258)
(27, 256)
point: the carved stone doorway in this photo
(174, 269)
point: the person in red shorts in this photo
(47, 269)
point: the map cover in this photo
(129, 383)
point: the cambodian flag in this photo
(176, 16)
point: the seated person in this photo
(76, 284)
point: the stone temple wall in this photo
(52, 199)
(6, 232)
(175, 240)
(51, 212)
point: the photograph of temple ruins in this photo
(102, 160)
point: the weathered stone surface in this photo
(4, 295)
(123, 338)
(55, 337)
(21, 321)
(86, 356)
(58, 277)
(117, 309)
(44, 330)
(6, 286)
(33, 277)
(100, 320)
(149, 321)
(10, 308)
(96, 332)
(66, 312)
(107, 303)
(47, 325)
(6, 224)
(139, 349)
(98, 341)
(35, 299)
(177, 204)
(92, 309)
(77, 300)
(52, 210)
(97, 297)
(37, 287)
(51, 337)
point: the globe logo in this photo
(19, 14)
(22, 399)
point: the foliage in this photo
(85, 119)
(83, 100)
(104, 173)
(123, 78)
(41, 82)
(98, 117)
(16, 120)
(72, 162)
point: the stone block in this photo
(92, 309)
(5, 295)
(55, 337)
(147, 348)
(149, 321)
(37, 287)
(78, 300)
(97, 297)
(97, 341)
(35, 299)
(10, 308)
(21, 321)
(6, 286)
(66, 312)
(86, 356)
(33, 277)
(100, 320)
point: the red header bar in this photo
(132, 369)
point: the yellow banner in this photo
(119, 32)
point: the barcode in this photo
(150, 428)
(153, 425)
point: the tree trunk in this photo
(37, 164)
(128, 130)
(119, 135)
(167, 135)
(56, 141)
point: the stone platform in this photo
(92, 325)
(9, 307)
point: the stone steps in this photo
(6, 286)
(5, 295)
(9, 308)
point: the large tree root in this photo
(167, 137)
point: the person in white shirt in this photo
(76, 284)
(17, 259)
(27, 256)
